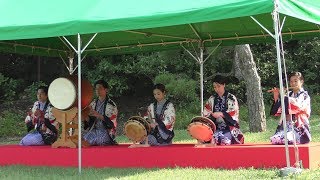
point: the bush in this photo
(180, 88)
(8, 87)
(315, 104)
(31, 91)
(184, 114)
(12, 124)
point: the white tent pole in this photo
(264, 28)
(79, 103)
(284, 19)
(201, 61)
(85, 47)
(212, 51)
(194, 57)
(201, 77)
(71, 69)
(69, 44)
(77, 65)
(64, 62)
(296, 149)
(283, 116)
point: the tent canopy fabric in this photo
(124, 26)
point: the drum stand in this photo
(68, 119)
(146, 144)
(203, 145)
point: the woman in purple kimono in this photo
(223, 109)
(100, 125)
(40, 122)
(297, 111)
(162, 115)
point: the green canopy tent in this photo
(124, 26)
(48, 28)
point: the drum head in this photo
(205, 120)
(201, 128)
(200, 131)
(135, 131)
(62, 93)
(143, 121)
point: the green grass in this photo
(182, 136)
(24, 172)
(12, 124)
(262, 137)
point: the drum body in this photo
(63, 93)
(201, 128)
(137, 129)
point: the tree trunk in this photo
(245, 68)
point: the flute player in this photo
(297, 108)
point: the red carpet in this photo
(182, 155)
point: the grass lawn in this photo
(24, 172)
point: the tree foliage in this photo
(134, 75)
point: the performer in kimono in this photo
(223, 109)
(100, 125)
(40, 122)
(297, 111)
(161, 113)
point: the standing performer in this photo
(162, 116)
(222, 108)
(100, 125)
(298, 110)
(41, 124)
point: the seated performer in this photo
(100, 125)
(161, 113)
(297, 112)
(222, 108)
(41, 125)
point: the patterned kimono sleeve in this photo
(169, 117)
(35, 107)
(233, 108)
(149, 114)
(48, 114)
(88, 120)
(301, 108)
(208, 107)
(302, 104)
(111, 112)
(52, 125)
(29, 118)
(92, 104)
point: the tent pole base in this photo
(287, 171)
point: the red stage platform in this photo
(181, 155)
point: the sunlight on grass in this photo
(182, 136)
(24, 172)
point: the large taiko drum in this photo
(137, 129)
(201, 128)
(63, 93)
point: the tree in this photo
(245, 68)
